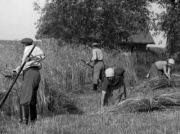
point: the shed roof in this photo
(142, 38)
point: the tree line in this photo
(107, 21)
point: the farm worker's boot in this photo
(24, 114)
(95, 87)
(21, 113)
(33, 113)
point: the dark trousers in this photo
(98, 72)
(28, 95)
(26, 111)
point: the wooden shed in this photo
(137, 42)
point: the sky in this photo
(159, 40)
(17, 20)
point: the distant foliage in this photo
(169, 22)
(106, 21)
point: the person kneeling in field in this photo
(160, 68)
(113, 87)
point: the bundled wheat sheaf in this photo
(154, 94)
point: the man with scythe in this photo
(98, 65)
(31, 80)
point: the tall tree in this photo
(169, 22)
(108, 21)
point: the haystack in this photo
(59, 101)
(154, 94)
(51, 98)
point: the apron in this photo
(154, 72)
(117, 92)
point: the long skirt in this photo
(116, 93)
(154, 72)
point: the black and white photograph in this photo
(89, 66)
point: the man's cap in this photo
(27, 41)
(95, 44)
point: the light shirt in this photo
(97, 54)
(37, 52)
(160, 64)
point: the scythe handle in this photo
(5, 97)
(87, 64)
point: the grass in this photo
(131, 123)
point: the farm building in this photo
(137, 42)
